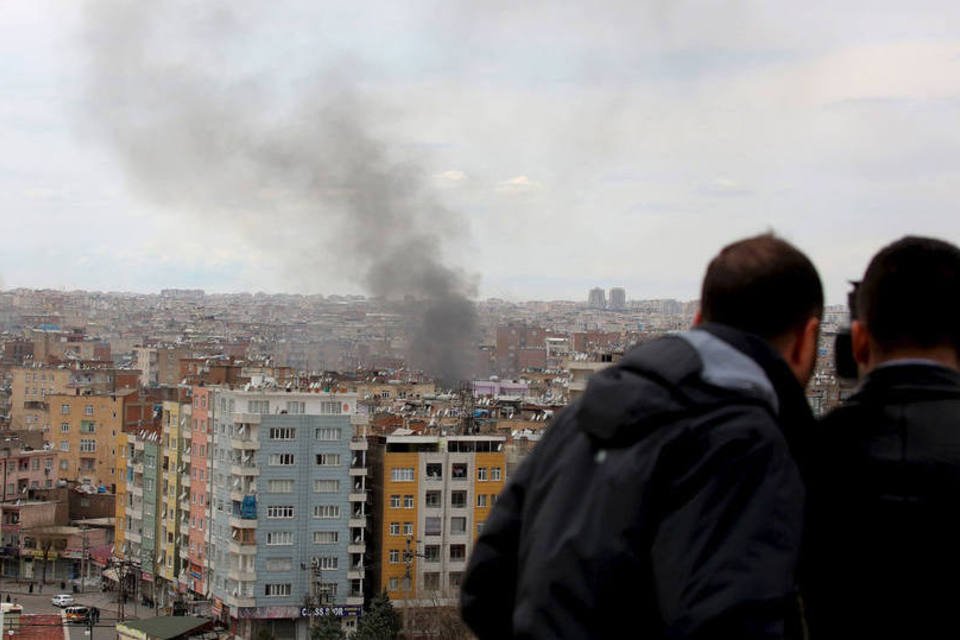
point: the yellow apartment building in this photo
(84, 430)
(432, 495)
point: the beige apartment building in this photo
(28, 395)
(83, 430)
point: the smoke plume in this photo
(300, 166)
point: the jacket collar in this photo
(795, 416)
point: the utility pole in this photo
(83, 557)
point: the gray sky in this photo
(573, 144)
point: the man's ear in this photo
(698, 318)
(802, 356)
(860, 342)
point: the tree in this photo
(380, 621)
(327, 627)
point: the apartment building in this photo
(196, 576)
(29, 388)
(431, 496)
(83, 430)
(287, 509)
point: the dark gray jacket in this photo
(881, 557)
(665, 503)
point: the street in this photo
(39, 603)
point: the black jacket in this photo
(882, 554)
(665, 502)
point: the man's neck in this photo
(941, 355)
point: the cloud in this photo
(724, 187)
(519, 184)
(450, 178)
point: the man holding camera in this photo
(882, 551)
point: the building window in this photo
(283, 433)
(326, 537)
(431, 526)
(481, 500)
(277, 590)
(394, 556)
(402, 474)
(330, 407)
(395, 502)
(278, 564)
(327, 562)
(295, 407)
(495, 473)
(87, 426)
(64, 409)
(258, 406)
(35, 465)
(458, 525)
(279, 538)
(280, 486)
(326, 486)
(394, 528)
(393, 584)
(431, 581)
(64, 427)
(433, 499)
(458, 499)
(64, 464)
(459, 470)
(408, 528)
(434, 471)
(456, 577)
(88, 445)
(458, 552)
(64, 446)
(330, 434)
(281, 459)
(88, 410)
(481, 474)
(431, 553)
(328, 459)
(280, 512)
(408, 502)
(326, 511)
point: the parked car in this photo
(77, 614)
(62, 600)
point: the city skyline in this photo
(615, 145)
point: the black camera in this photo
(843, 344)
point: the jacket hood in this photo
(663, 380)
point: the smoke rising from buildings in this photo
(299, 165)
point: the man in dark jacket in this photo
(882, 555)
(665, 502)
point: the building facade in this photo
(431, 496)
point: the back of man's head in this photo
(910, 295)
(763, 285)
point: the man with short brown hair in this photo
(665, 503)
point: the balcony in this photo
(355, 573)
(138, 468)
(135, 513)
(132, 536)
(243, 548)
(243, 523)
(185, 480)
(186, 434)
(240, 601)
(136, 490)
(355, 600)
(242, 576)
(358, 521)
(358, 443)
(244, 470)
(357, 548)
(185, 457)
(245, 444)
(358, 471)
(246, 418)
(185, 527)
(357, 497)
